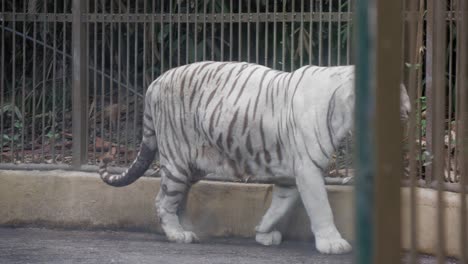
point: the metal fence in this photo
(433, 71)
(438, 132)
(121, 46)
(101, 57)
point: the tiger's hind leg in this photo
(283, 199)
(174, 188)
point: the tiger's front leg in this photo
(174, 188)
(312, 190)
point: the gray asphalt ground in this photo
(36, 245)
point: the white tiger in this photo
(245, 119)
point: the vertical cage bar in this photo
(240, 31)
(119, 87)
(103, 70)
(311, 39)
(462, 19)
(170, 33)
(128, 82)
(231, 14)
(179, 28)
(450, 96)
(135, 65)
(33, 90)
(153, 45)
(429, 87)
(257, 34)
(13, 86)
(249, 14)
(275, 22)
(23, 86)
(301, 36)
(283, 42)
(54, 82)
(292, 66)
(195, 32)
(87, 54)
(364, 151)
(330, 3)
(2, 79)
(143, 67)
(95, 82)
(79, 85)
(161, 30)
(144, 59)
(338, 33)
(388, 133)
(64, 82)
(204, 28)
(412, 89)
(267, 13)
(187, 40)
(419, 44)
(111, 110)
(348, 33)
(221, 42)
(457, 154)
(438, 104)
(44, 81)
(320, 38)
(213, 15)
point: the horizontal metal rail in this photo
(198, 18)
(182, 18)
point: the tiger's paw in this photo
(185, 237)
(332, 246)
(269, 239)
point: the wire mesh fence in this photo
(128, 45)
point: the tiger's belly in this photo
(242, 168)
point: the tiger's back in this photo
(230, 118)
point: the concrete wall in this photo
(80, 200)
(426, 224)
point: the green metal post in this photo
(378, 131)
(365, 108)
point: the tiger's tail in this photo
(141, 163)
(145, 157)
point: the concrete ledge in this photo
(80, 200)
